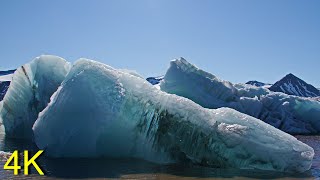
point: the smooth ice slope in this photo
(291, 114)
(101, 111)
(30, 92)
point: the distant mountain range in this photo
(7, 72)
(259, 84)
(293, 85)
(290, 84)
(155, 80)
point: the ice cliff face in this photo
(30, 92)
(289, 113)
(101, 111)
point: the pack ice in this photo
(30, 92)
(101, 111)
(291, 114)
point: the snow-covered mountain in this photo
(259, 84)
(6, 75)
(7, 72)
(256, 83)
(155, 80)
(293, 85)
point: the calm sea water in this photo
(138, 169)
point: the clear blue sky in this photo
(236, 40)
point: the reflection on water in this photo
(138, 169)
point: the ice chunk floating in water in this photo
(291, 114)
(30, 92)
(101, 111)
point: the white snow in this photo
(289, 87)
(289, 113)
(29, 93)
(298, 89)
(267, 86)
(101, 111)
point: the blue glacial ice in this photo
(30, 92)
(101, 111)
(291, 114)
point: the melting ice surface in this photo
(30, 92)
(101, 111)
(291, 114)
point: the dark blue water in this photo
(139, 169)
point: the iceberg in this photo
(292, 114)
(30, 92)
(99, 111)
(4, 156)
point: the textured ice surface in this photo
(101, 111)
(30, 92)
(291, 114)
(1, 122)
(4, 156)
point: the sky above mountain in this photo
(235, 40)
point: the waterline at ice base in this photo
(99, 111)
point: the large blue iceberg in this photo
(30, 92)
(292, 114)
(101, 111)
